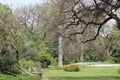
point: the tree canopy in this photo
(90, 13)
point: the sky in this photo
(19, 3)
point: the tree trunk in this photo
(81, 46)
(109, 51)
(60, 49)
(22, 69)
(17, 61)
(81, 57)
(82, 53)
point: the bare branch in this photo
(98, 31)
(80, 32)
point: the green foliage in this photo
(15, 69)
(72, 67)
(5, 15)
(7, 52)
(19, 77)
(46, 57)
(7, 64)
(117, 58)
(66, 61)
(54, 62)
(34, 49)
(115, 34)
(110, 60)
(27, 63)
(41, 53)
(5, 12)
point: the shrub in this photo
(110, 60)
(46, 57)
(7, 65)
(66, 61)
(54, 62)
(15, 70)
(72, 67)
(27, 63)
(43, 57)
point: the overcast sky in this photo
(18, 3)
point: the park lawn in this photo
(87, 73)
(19, 77)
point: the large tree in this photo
(9, 39)
(90, 14)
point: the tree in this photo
(53, 21)
(27, 16)
(18, 38)
(33, 29)
(90, 13)
(58, 7)
(8, 39)
(113, 43)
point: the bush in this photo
(15, 70)
(72, 67)
(7, 64)
(46, 57)
(110, 60)
(27, 63)
(54, 62)
(66, 61)
(43, 57)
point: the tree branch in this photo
(98, 31)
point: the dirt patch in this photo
(46, 79)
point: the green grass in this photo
(19, 77)
(86, 78)
(89, 73)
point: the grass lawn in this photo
(19, 77)
(88, 73)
